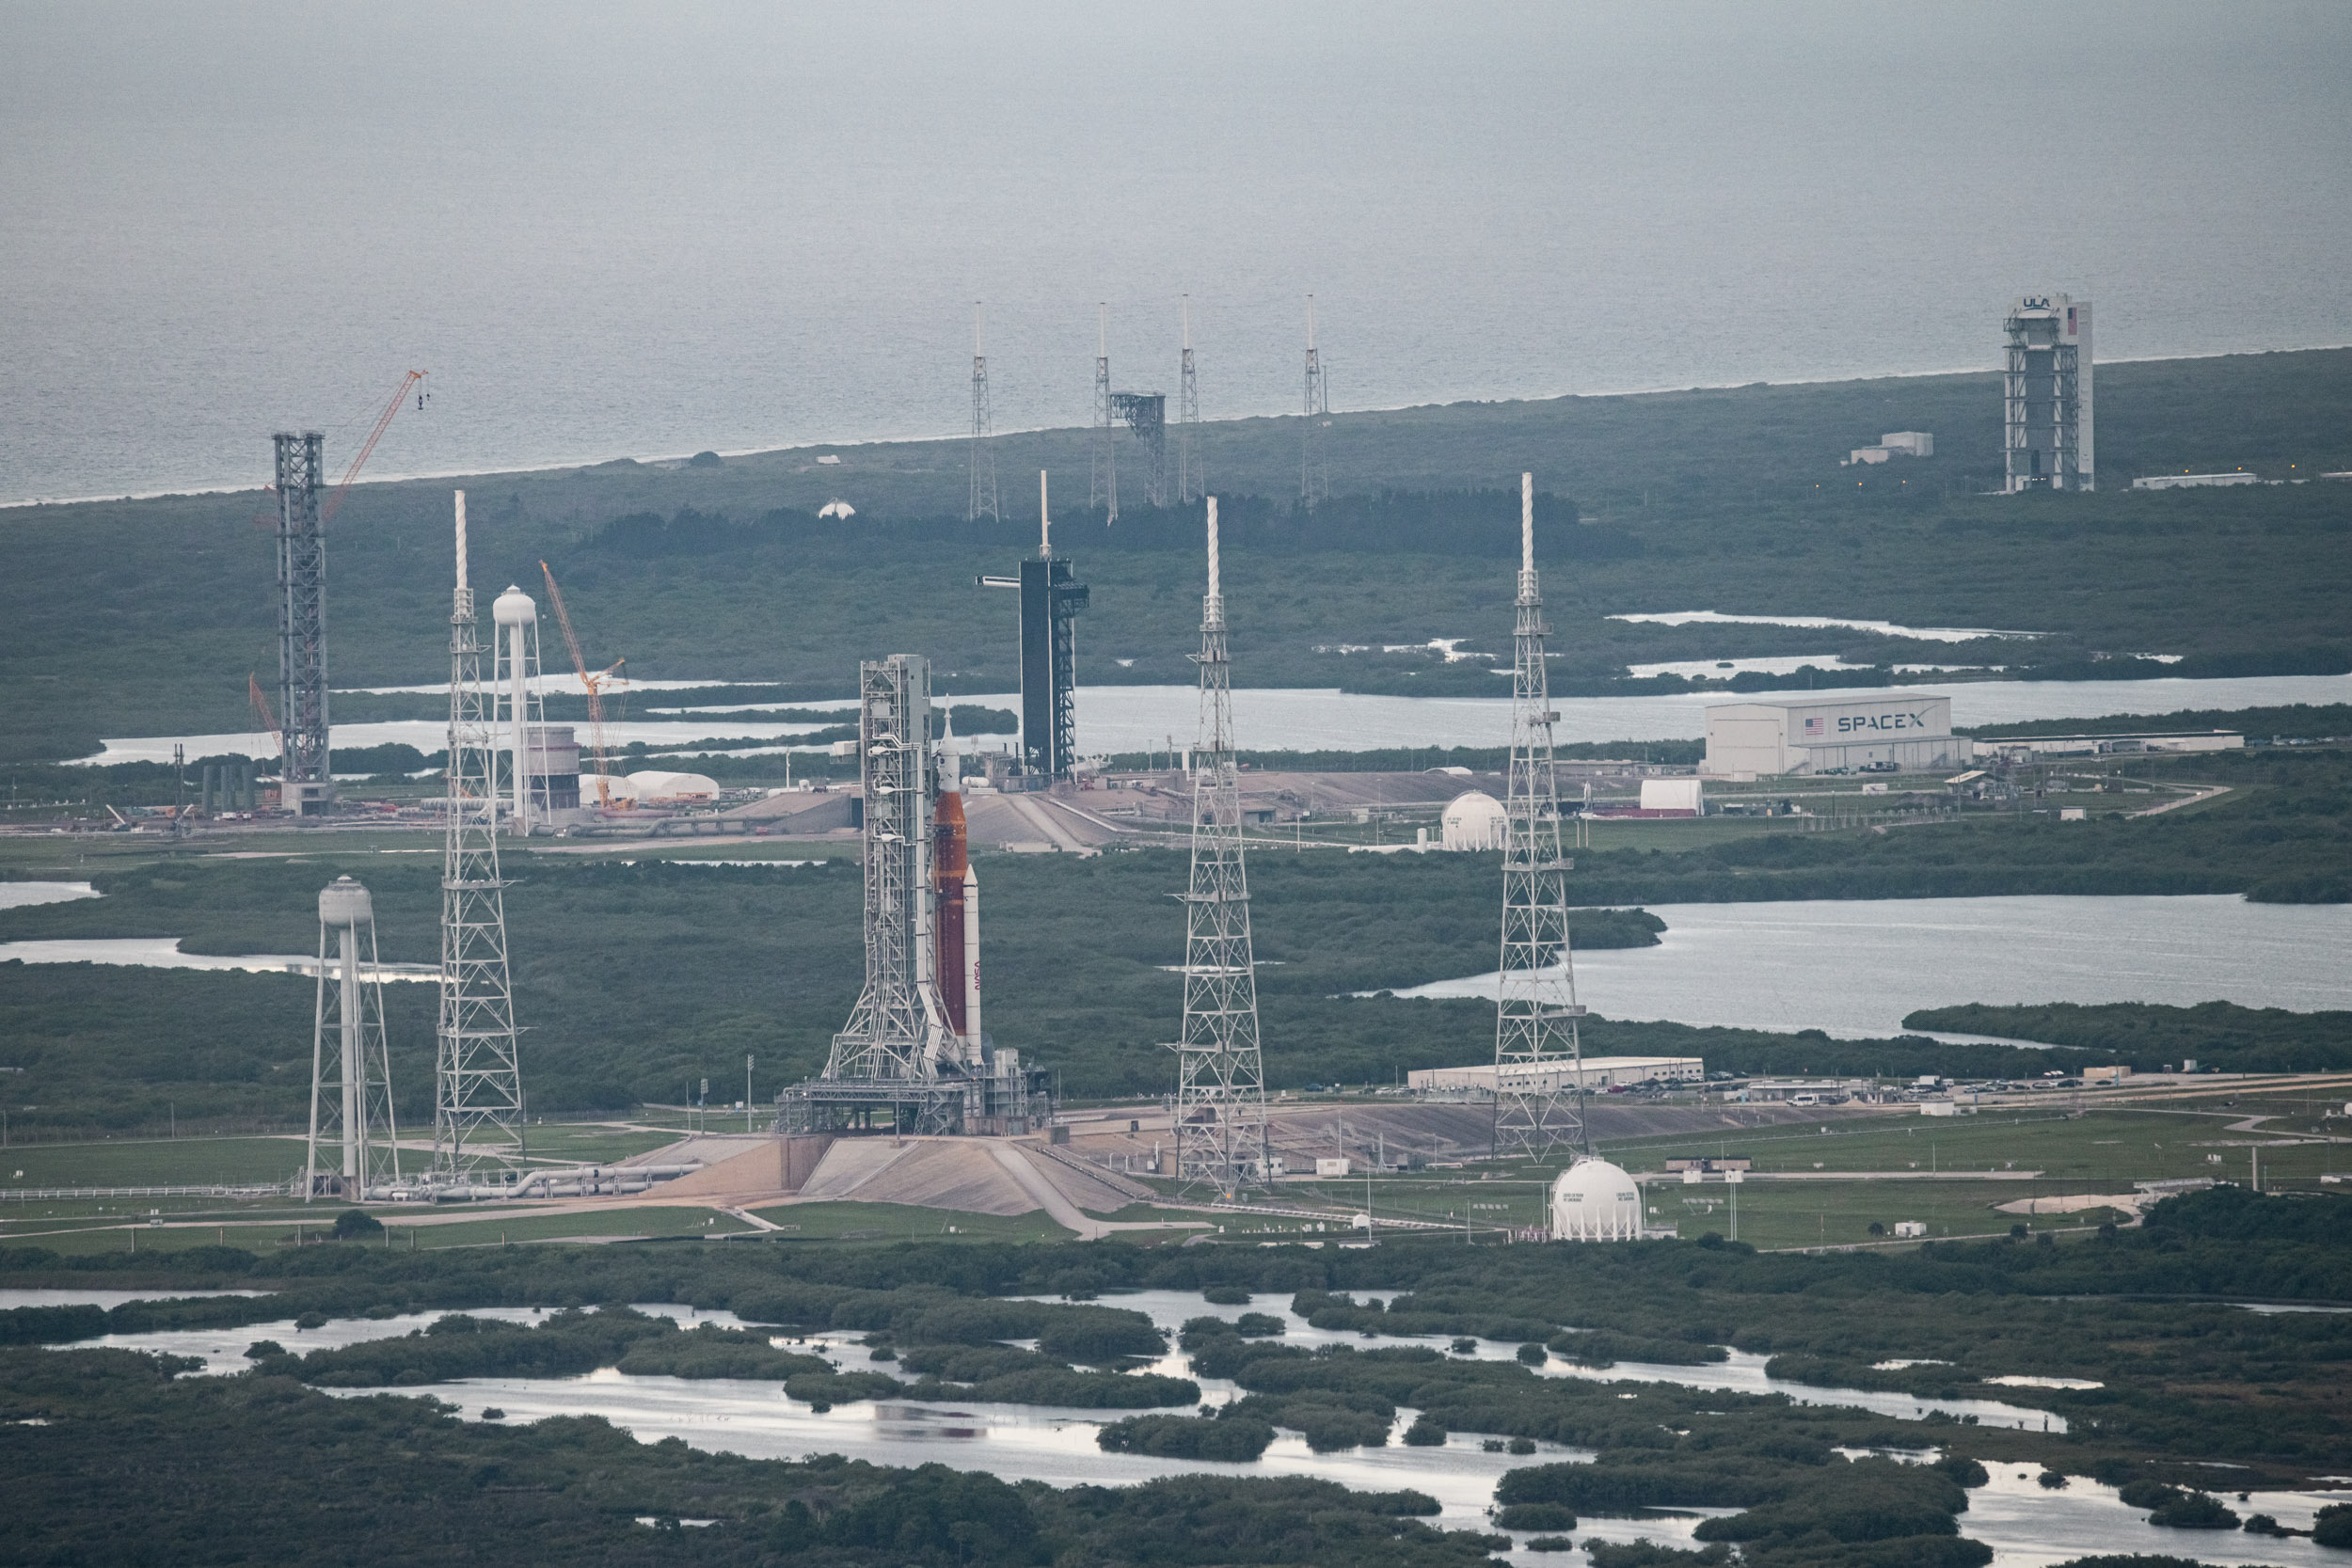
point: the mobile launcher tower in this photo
(912, 1057)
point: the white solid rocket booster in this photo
(972, 961)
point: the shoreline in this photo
(543, 467)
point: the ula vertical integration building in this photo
(2045, 395)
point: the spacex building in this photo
(1893, 732)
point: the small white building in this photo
(1474, 820)
(1895, 443)
(2193, 482)
(2024, 748)
(1594, 1201)
(1892, 732)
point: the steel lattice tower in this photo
(983, 502)
(1538, 1061)
(1191, 483)
(898, 1031)
(1103, 470)
(1314, 468)
(477, 1087)
(1220, 1084)
(351, 1079)
(306, 786)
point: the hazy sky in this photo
(646, 230)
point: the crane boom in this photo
(383, 423)
(595, 688)
(261, 708)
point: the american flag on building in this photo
(1812, 728)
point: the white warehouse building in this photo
(1600, 1073)
(1891, 732)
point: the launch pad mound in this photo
(975, 1176)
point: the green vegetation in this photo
(2219, 1035)
(639, 980)
(144, 617)
(240, 1461)
(1228, 1436)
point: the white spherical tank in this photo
(344, 902)
(515, 608)
(1594, 1201)
(1475, 821)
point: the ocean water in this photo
(648, 230)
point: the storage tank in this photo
(1594, 1201)
(1474, 820)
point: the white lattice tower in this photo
(477, 1087)
(1538, 1061)
(1221, 1085)
(352, 1124)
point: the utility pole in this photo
(747, 1091)
(983, 500)
(1102, 472)
(1314, 468)
(1191, 483)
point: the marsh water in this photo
(2026, 1524)
(1130, 719)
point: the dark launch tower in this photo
(1050, 604)
(306, 786)
(1049, 665)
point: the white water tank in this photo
(1474, 820)
(344, 902)
(514, 608)
(1594, 1201)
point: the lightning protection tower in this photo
(983, 501)
(306, 786)
(1102, 468)
(1538, 1061)
(1220, 1079)
(1191, 483)
(477, 1084)
(1315, 467)
(351, 1078)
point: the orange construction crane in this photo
(595, 684)
(261, 709)
(383, 423)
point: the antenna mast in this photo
(983, 502)
(1103, 481)
(1220, 1084)
(1314, 468)
(1191, 482)
(1539, 1064)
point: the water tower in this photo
(351, 1088)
